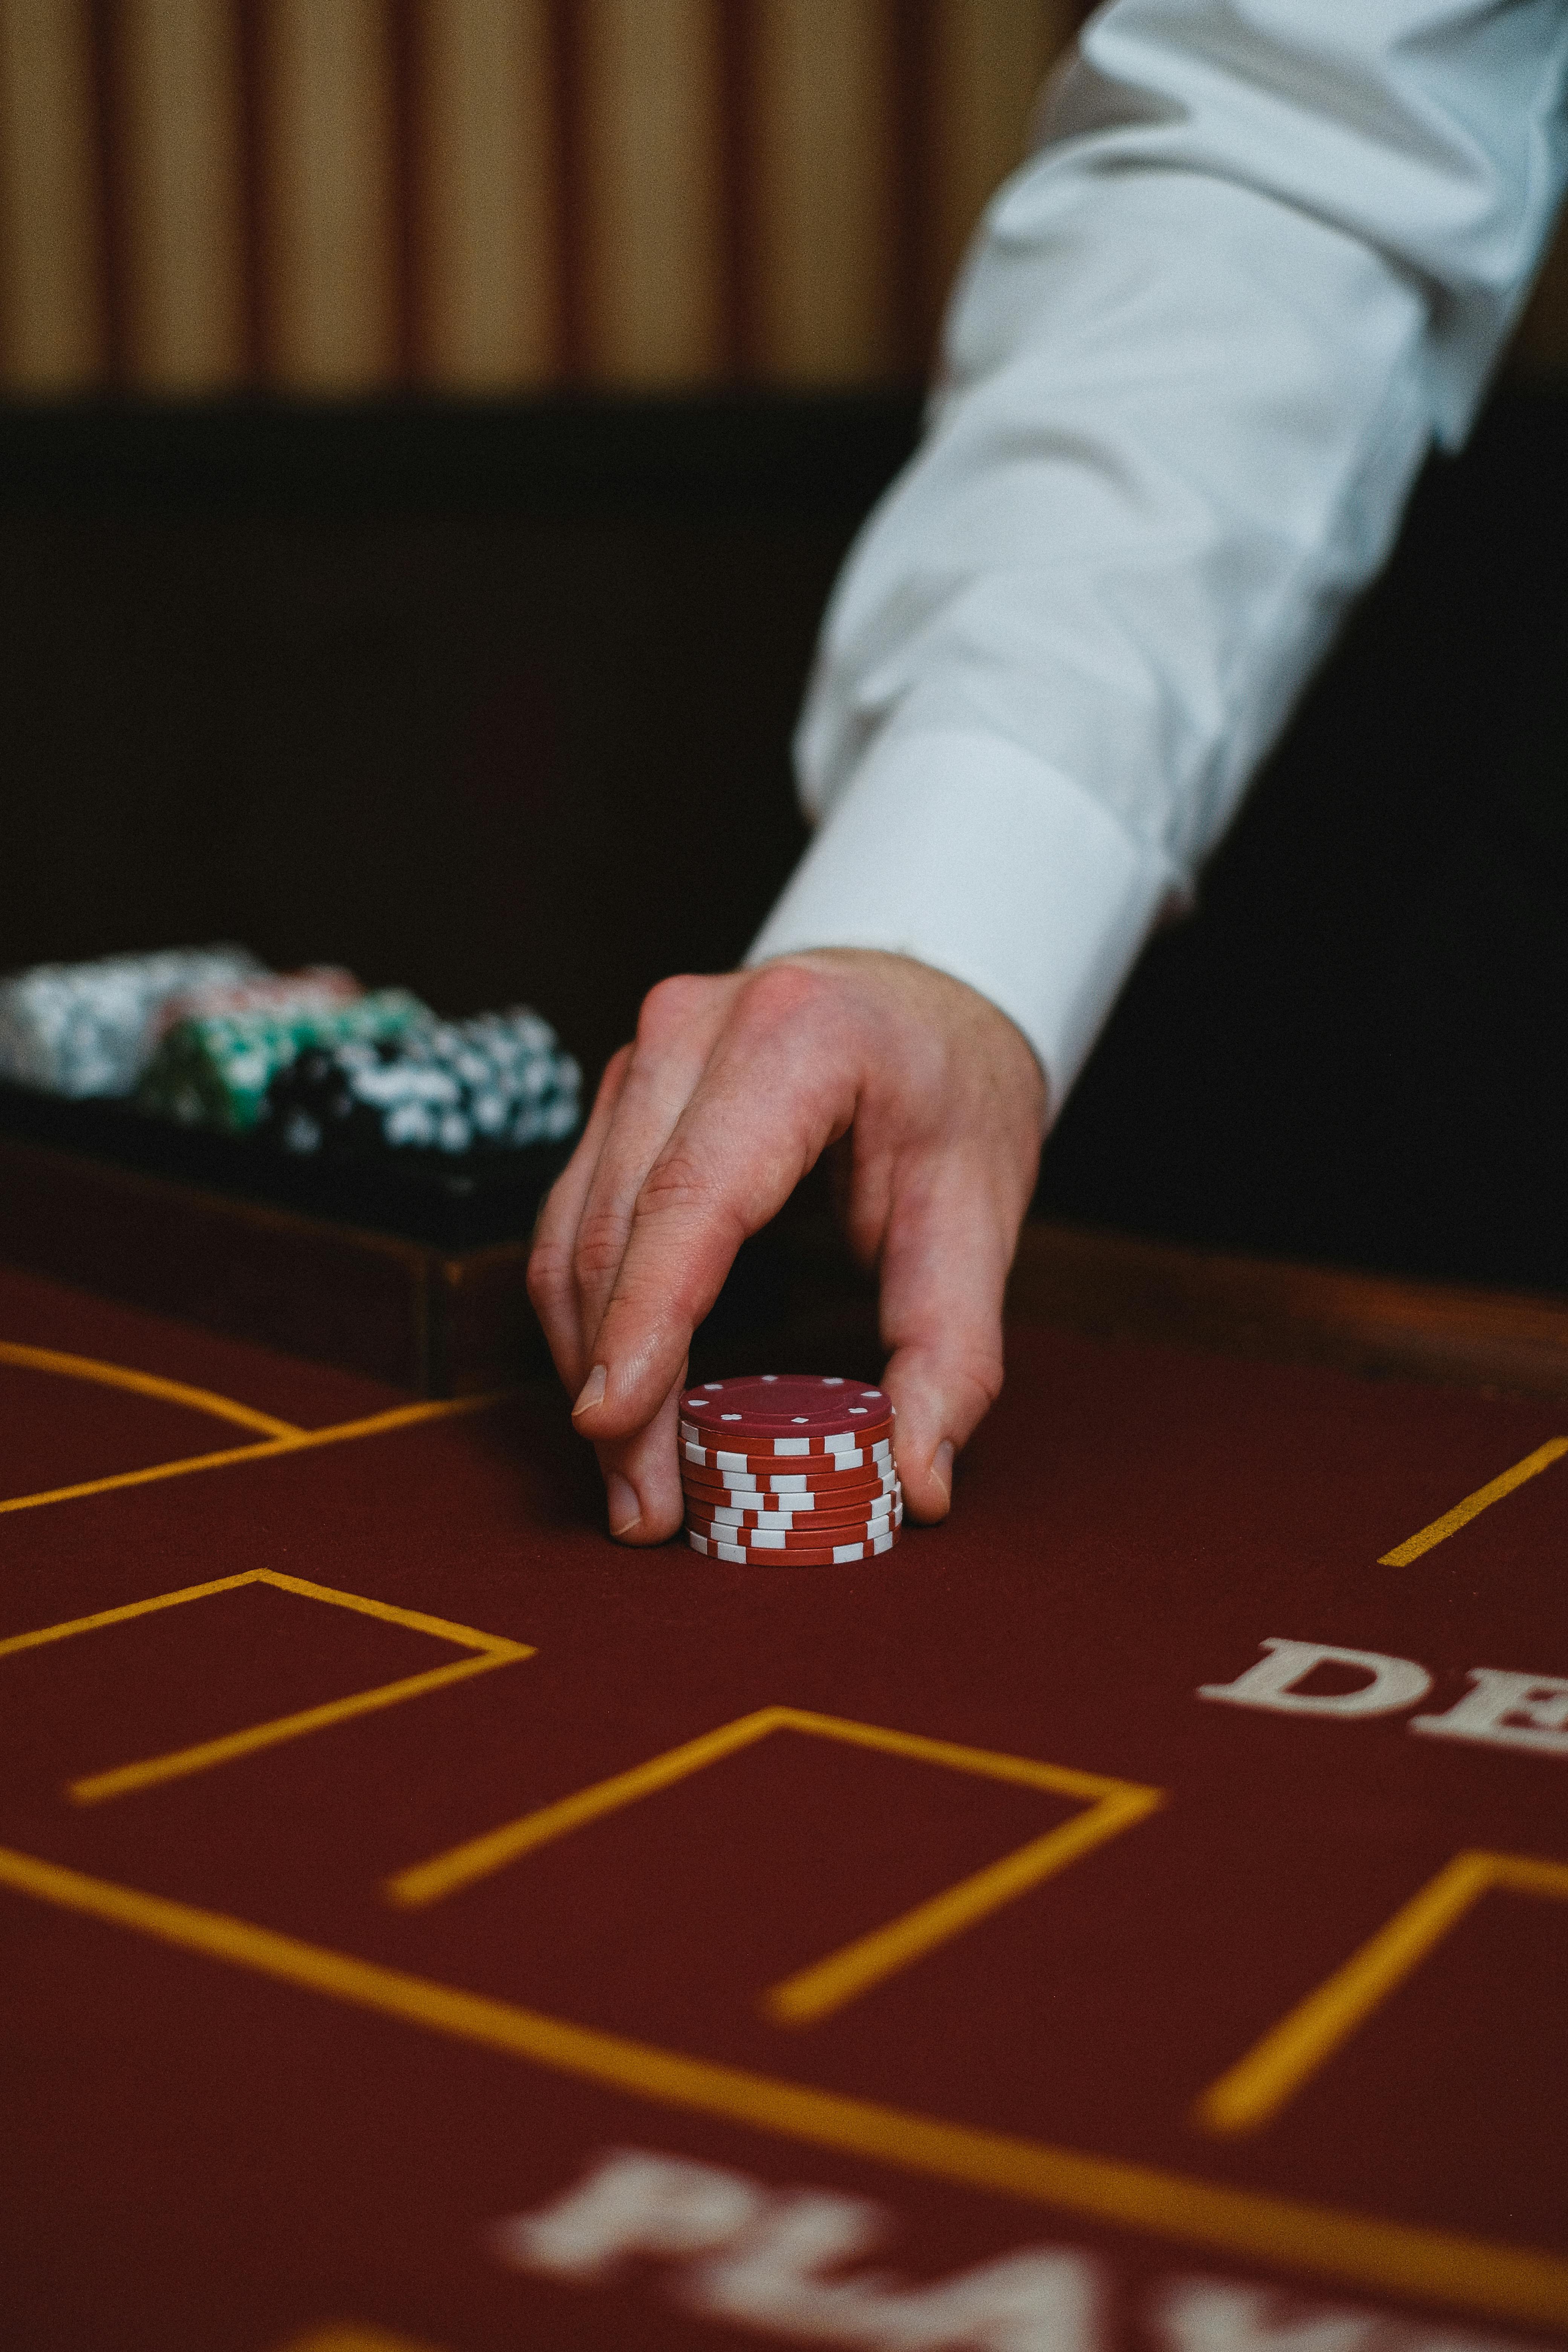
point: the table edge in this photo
(1118, 1285)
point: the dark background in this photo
(495, 703)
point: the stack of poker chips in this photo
(495, 1083)
(214, 1067)
(314, 988)
(787, 1471)
(89, 1028)
(303, 1061)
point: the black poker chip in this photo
(497, 1082)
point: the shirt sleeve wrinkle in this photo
(1266, 253)
(1434, 133)
(1098, 576)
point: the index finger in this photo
(549, 1284)
(779, 1088)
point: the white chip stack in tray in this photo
(303, 1061)
(91, 1028)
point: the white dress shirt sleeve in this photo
(1265, 253)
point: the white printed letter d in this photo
(1391, 1683)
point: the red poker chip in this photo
(815, 1405)
(842, 1556)
(774, 1509)
(821, 1493)
(788, 1404)
(798, 1523)
(821, 1473)
(797, 1445)
(814, 1538)
(800, 1507)
(751, 1452)
(737, 1515)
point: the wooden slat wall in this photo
(53, 308)
(340, 197)
(484, 169)
(328, 217)
(824, 166)
(181, 242)
(648, 97)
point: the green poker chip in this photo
(215, 1070)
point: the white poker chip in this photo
(840, 1555)
(802, 1507)
(708, 1457)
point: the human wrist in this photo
(962, 852)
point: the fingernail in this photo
(942, 1466)
(593, 1391)
(621, 1496)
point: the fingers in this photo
(776, 1090)
(582, 1227)
(736, 1085)
(643, 1496)
(584, 1236)
(679, 1024)
(552, 1287)
(945, 1271)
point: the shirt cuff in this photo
(971, 854)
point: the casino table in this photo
(1133, 1913)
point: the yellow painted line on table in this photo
(813, 1992)
(443, 1873)
(148, 1771)
(1519, 2283)
(479, 1857)
(1251, 2092)
(1482, 1500)
(125, 1778)
(149, 1384)
(375, 1424)
(414, 1620)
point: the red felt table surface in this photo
(267, 2075)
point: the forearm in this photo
(1265, 255)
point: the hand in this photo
(702, 1128)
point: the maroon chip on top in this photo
(768, 1406)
